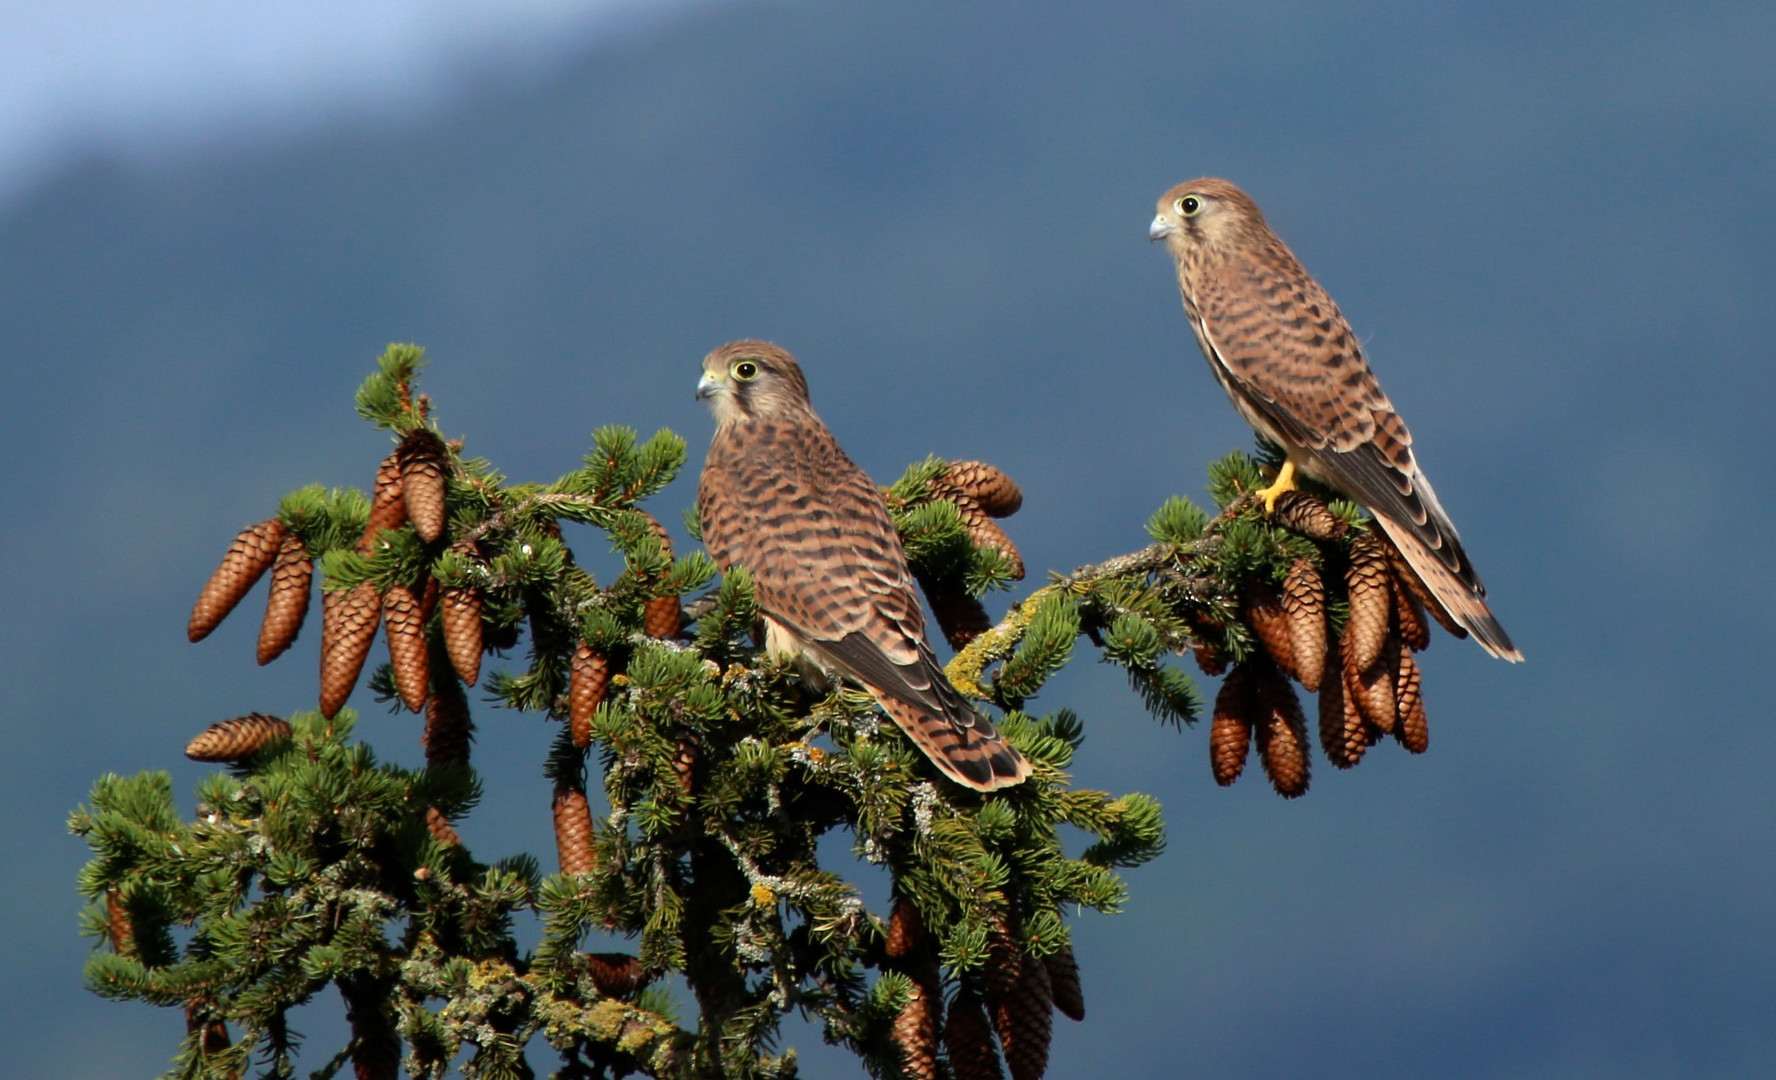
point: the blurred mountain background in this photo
(1552, 225)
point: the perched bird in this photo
(780, 498)
(1294, 369)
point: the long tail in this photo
(1464, 605)
(960, 742)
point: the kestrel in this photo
(780, 498)
(1286, 356)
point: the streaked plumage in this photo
(1286, 356)
(780, 498)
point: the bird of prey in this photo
(780, 498)
(1283, 352)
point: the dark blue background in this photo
(1551, 224)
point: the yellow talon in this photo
(1285, 481)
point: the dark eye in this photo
(746, 371)
(1189, 205)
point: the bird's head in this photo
(746, 380)
(1206, 215)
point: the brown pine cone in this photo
(1371, 602)
(573, 831)
(1208, 658)
(1304, 606)
(1063, 981)
(348, 626)
(215, 1032)
(448, 729)
(237, 739)
(119, 929)
(441, 829)
(968, 1040)
(1409, 577)
(983, 530)
(1230, 735)
(1263, 612)
(684, 763)
(1342, 732)
(1301, 513)
(905, 927)
(961, 617)
(616, 974)
(423, 461)
(428, 599)
(915, 1027)
(251, 554)
(388, 509)
(1409, 616)
(286, 604)
(462, 631)
(1005, 957)
(996, 492)
(375, 1045)
(408, 657)
(1282, 735)
(1025, 1022)
(1413, 732)
(588, 676)
(1373, 688)
(661, 617)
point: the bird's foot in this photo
(1285, 481)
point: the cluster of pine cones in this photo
(411, 488)
(1017, 1000)
(1366, 678)
(981, 493)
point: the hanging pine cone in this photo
(587, 678)
(996, 492)
(961, 617)
(1414, 731)
(1408, 577)
(462, 630)
(1063, 981)
(983, 531)
(1230, 735)
(1263, 612)
(375, 1046)
(1025, 1022)
(1371, 602)
(905, 928)
(1304, 607)
(1302, 513)
(404, 627)
(251, 554)
(1005, 957)
(1373, 688)
(214, 1039)
(441, 829)
(448, 729)
(616, 974)
(573, 831)
(684, 763)
(1409, 616)
(1282, 735)
(423, 461)
(1209, 659)
(915, 1026)
(1341, 723)
(428, 599)
(968, 1040)
(286, 604)
(348, 626)
(119, 929)
(237, 739)
(661, 617)
(388, 509)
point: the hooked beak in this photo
(707, 387)
(1160, 229)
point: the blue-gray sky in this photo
(1551, 225)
